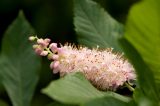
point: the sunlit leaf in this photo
(144, 74)
(142, 31)
(141, 99)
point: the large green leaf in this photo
(75, 89)
(19, 64)
(58, 104)
(143, 32)
(72, 89)
(105, 101)
(94, 26)
(144, 74)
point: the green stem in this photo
(129, 87)
(48, 50)
(36, 37)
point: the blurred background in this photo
(53, 19)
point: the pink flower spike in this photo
(103, 68)
(44, 53)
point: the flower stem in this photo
(48, 50)
(129, 87)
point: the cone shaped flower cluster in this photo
(103, 68)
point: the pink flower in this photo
(103, 68)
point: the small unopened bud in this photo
(40, 41)
(38, 51)
(44, 53)
(47, 40)
(53, 47)
(51, 65)
(35, 46)
(56, 64)
(55, 57)
(43, 42)
(32, 38)
(55, 71)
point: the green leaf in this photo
(59, 104)
(1, 85)
(144, 74)
(138, 94)
(75, 89)
(19, 64)
(105, 101)
(142, 31)
(72, 89)
(141, 99)
(3, 103)
(94, 26)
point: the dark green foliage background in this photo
(53, 18)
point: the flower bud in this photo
(44, 53)
(53, 47)
(32, 38)
(35, 46)
(47, 40)
(55, 57)
(38, 51)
